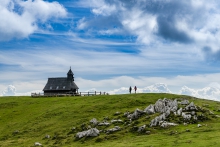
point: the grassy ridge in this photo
(36, 117)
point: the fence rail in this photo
(68, 94)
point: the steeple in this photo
(70, 75)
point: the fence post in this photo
(88, 93)
(95, 92)
(100, 92)
(80, 94)
(104, 93)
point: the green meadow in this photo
(26, 120)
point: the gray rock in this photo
(141, 128)
(184, 102)
(116, 121)
(148, 132)
(191, 107)
(186, 116)
(94, 121)
(91, 132)
(103, 124)
(37, 144)
(179, 112)
(199, 125)
(116, 128)
(167, 124)
(47, 136)
(137, 113)
(150, 109)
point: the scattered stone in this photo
(141, 128)
(150, 109)
(116, 128)
(73, 128)
(199, 125)
(147, 132)
(116, 121)
(37, 144)
(137, 113)
(16, 132)
(167, 124)
(185, 124)
(91, 132)
(191, 107)
(126, 113)
(186, 116)
(104, 124)
(187, 130)
(94, 121)
(47, 136)
(117, 113)
(179, 112)
(184, 102)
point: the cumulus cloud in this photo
(9, 91)
(161, 22)
(20, 18)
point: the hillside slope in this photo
(26, 120)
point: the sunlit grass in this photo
(25, 120)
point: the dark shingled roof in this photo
(60, 84)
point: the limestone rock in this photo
(199, 125)
(191, 107)
(37, 144)
(116, 121)
(103, 124)
(179, 112)
(167, 124)
(184, 102)
(47, 136)
(137, 113)
(141, 128)
(116, 128)
(186, 116)
(94, 121)
(90, 132)
(150, 109)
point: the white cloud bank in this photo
(212, 93)
(20, 18)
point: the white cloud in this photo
(20, 18)
(9, 91)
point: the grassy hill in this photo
(26, 120)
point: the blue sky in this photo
(110, 43)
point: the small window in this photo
(50, 87)
(64, 87)
(57, 87)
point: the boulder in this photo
(186, 116)
(91, 132)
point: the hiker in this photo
(135, 89)
(130, 89)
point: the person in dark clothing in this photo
(130, 89)
(135, 89)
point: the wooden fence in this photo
(68, 94)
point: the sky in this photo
(111, 45)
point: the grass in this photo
(26, 120)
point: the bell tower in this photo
(70, 75)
